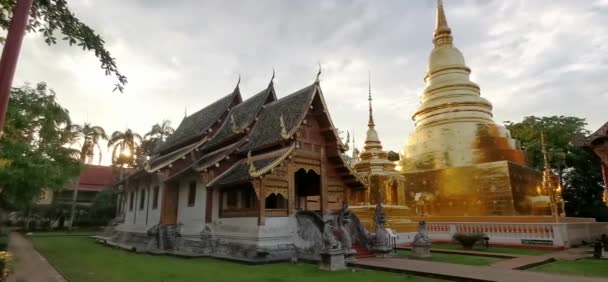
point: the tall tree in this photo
(577, 169)
(34, 149)
(160, 131)
(157, 134)
(49, 17)
(125, 145)
(90, 136)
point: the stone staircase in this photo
(398, 218)
(168, 236)
(362, 252)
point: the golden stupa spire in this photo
(370, 122)
(443, 33)
(544, 151)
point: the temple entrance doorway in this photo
(307, 190)
(170, 204)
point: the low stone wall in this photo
(231, 239)
(559, 235)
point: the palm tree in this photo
(125, 146)
(91, 135)
(160, 131)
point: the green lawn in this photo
(585, 267)
(81, 259)
(64, 233)
(456, 258)
(501, 250)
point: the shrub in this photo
(467, 240)
(6, 261)
(3, 243)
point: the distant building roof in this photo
(96, 178)
(587, 141)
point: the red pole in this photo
(10, 54)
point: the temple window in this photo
(276, 201)
(192, 193)
(155, 197)
(238, 201)
(307, 190)
(231, 199)
(131, 199)
(142, 199)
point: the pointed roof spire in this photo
(317, 80)
(238, 83)
(443, 33)
(185, 112)
(272, 78)
(370, 122)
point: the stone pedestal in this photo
(332, 260)
(382, 250)
(349, 255)
(421, 251)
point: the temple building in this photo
(385, 184)
(267, 178)
(464, 173)
(598, 143)
(458, 161)
(226, 182)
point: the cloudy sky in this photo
(529, 57)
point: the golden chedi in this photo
(458, 161)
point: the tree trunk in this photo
(76, 185)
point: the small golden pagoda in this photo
(385, 184)
(458, 161)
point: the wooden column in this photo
(291, 188)
(261, 203)
(324, 185)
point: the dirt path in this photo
(30, 265)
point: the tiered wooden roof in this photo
(240, 140)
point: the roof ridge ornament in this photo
(443, 34)
(250, 162)
(235, 128)
(317, 80)
(238, 83)
(272, 78)
(284, 132)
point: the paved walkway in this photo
(469, 252)
(460, 272)
(525, 262)
(30, 265)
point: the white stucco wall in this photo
(191, 218)
(148, 216)
(154, 214)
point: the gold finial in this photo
(284, 132)
(347, 138)
(443, 34)
(370, 122)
